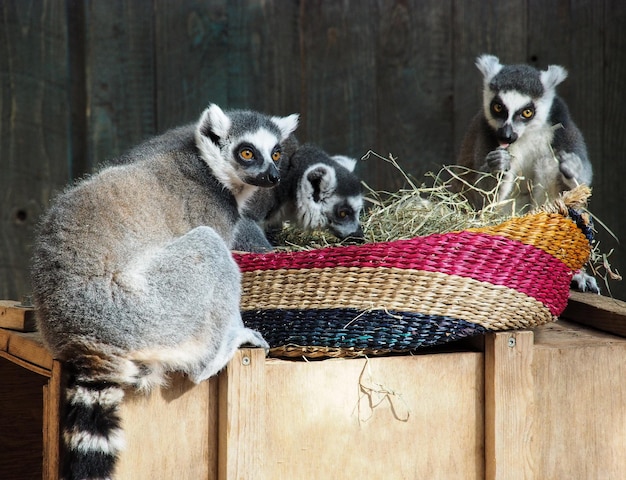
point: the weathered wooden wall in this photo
(83, 80)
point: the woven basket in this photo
(399, 296)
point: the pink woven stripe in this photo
(483, 257)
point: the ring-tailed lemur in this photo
(524, 133)
(524, 136)
(132, 273)
(317, 191)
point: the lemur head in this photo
(517, 98)
(243, 147)
(329, 194)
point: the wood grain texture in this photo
(509, 405)
(119, 75)
(338, 95)
(15, 317)
(170, 433)
(610, 168)
(579, 425)
(191, 57)
(597, 311)
(242, 419)
(29, 347)
(51, 423)
(414, 85)
(34, 127)
(21, 411)
(396, 417)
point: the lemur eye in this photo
(497, 107)
(528, 113)
(343, 213)
(246, 154)
(276, 155)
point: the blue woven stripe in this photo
(350, 328)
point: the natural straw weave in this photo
(398, 296)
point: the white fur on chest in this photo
(534, 169)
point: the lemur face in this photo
(517, 98)
(329, 194)
(243, 147)
(510, 114)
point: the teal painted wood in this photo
(34, 128)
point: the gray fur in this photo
(132, 274)
(314, 189)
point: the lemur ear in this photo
(212, 126)
(489, 66)
(554, 75)
(213, 123)
(286, 125)
(346, 162)
(320, 181)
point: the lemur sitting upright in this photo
(132, 272)
(316, 191)
(524, 137)
(525, 134)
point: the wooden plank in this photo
(396, 417)
(338, 84)
(4, 339)
(597, 311)
(242, 425)
(414, 83)
(16, 317)
(34, 128)
(609, 168)
(264, 55)
(119, 75)
(51, 423)
(20, 422)
(579, 426)
(191, 58)
(29, 347)
(565, 334)
(170, 433)
(509, 405)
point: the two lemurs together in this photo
(132, 272)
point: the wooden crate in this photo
(547, 403)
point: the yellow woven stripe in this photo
(431, 293)
(551, 232)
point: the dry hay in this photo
(421, 209)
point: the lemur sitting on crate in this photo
(525, 138)
(316, 191)
(133, 276)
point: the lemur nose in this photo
(506, 134)
(272, 175)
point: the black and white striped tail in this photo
(92, 433)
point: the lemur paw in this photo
(584, 282)
(570, 164)
(498, 160)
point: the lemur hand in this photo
(498, 160)
(570, 164)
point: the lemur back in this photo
(317, 191)
(132, 273)
(525, 136)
